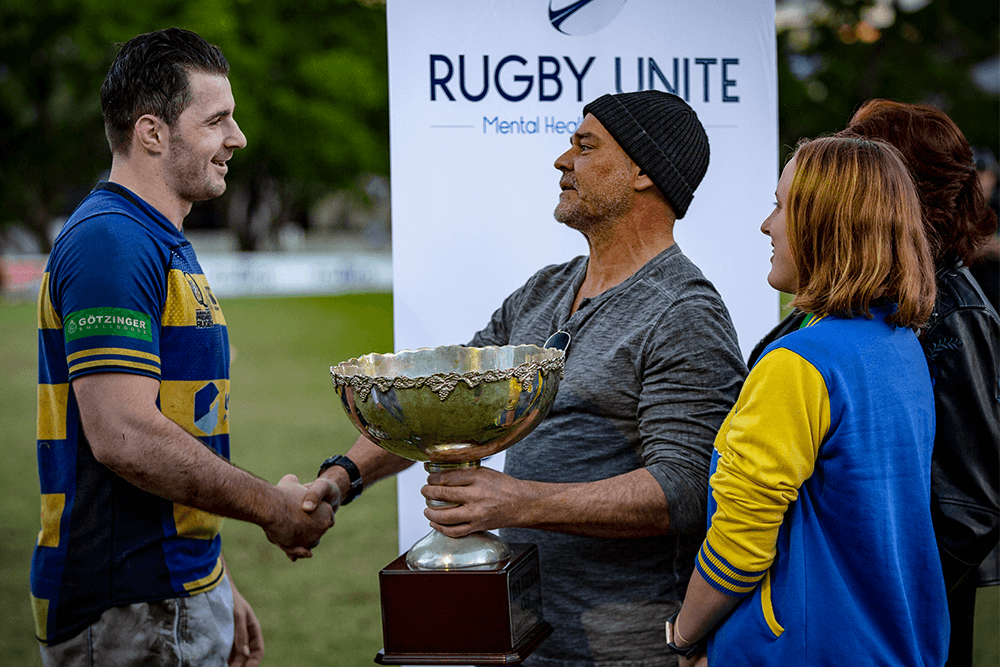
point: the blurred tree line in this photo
(835, 54)
(310, 78)
(311, 85)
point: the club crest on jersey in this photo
(202, 316)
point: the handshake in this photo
(303, 513)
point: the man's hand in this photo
(485, 499)
(321, 490)
(248, 640)
(295, 530)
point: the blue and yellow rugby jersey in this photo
(820, 504)
(122, 292)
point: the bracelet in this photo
(677, 631)
(353, 474)
(687, 651)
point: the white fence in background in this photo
(233, 274)
(274, 274)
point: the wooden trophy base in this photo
(462, 617)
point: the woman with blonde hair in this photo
(820, 548)
(962, 345)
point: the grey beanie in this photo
(662, 135)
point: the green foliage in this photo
(50, 129)
(310, 81)
(845, 55)
(311, 85)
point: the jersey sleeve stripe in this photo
(48, 318)
(111, 364)
(52, 400)
(727, 568)
(719, 575)
(119, 351)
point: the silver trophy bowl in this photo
(451, 407)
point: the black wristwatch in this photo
(687, 651)
(353, 474)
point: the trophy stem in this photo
(430, 467)
(477, 551)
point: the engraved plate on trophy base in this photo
(462, 617)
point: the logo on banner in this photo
(583, 17)
(529, 76)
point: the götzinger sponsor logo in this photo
(108, 322)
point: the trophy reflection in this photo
(473, 599)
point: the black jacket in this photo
(962, 345)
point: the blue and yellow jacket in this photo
(820, 504)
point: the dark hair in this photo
(854, 231)
(150, 76)
(957, 220)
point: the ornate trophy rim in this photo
(445, 382)
(509, 391)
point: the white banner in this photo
(484, 96)
(284, 274)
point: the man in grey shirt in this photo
(612, 486)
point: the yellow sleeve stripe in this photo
(52, 401)
(119, 351)
(48, 318)
(113, 363)
(713, 560)
(767, 452)
(723, 577)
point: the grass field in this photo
(285, 418)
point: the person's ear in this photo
(642, 181)
(151, 133)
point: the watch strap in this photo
(353, 474)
